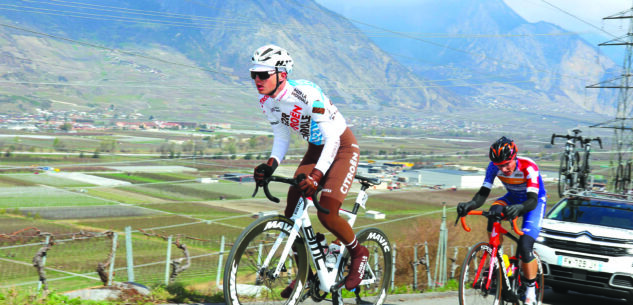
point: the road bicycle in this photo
(488, 277)
(569, 162)
(585, 168)
(275, 252)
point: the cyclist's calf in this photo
(526, 246)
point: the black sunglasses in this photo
(263, 75)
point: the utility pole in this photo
(622, 124)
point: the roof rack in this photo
(598, 194)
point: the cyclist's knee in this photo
(526, 247)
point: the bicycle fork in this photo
(302, 222)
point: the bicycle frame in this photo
(301, 219)
(495, 241)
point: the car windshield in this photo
(595, 212)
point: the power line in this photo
(578, 18)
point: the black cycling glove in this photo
(513, 211)
(264, 171)
(464, 207)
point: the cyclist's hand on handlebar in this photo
(464, 207)
(264, 171)
(310, 184)
(513, 211)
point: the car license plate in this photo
(580, 263)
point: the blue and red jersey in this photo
(525, 178)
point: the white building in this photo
(453, 178)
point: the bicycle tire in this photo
(472, 288)
(574, 172)
(585, 170)
(245, 283)
(562, 176)
(378, 268)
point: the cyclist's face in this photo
(265, 86)
(508, 168)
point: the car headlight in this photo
(541, 240)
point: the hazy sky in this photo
(591, 11)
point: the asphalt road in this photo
(450, 298)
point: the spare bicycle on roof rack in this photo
(574, 176)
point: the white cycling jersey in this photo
(303, 107)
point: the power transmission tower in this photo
(622, 124)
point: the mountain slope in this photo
(143, 40)
(479, 45)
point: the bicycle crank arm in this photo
(337, 298)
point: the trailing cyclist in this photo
(525, 197)
(332, 156)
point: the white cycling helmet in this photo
(269, 57)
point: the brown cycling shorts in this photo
(339, 177)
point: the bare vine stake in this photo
(454, 262)
(220, 260)
(176, 268)
(39, 260)
(101, 267)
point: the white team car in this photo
(586, 245)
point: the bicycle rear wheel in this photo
(585, 170)
(247, 281)
(574, 171)
(473, 279)
(375, 285)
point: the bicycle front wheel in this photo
(475, 287)
(375, 284)
(247, 277)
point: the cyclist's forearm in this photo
(531, 202)
(481, 196)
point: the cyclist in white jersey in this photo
(332, 156)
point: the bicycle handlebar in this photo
(568, 137)
(589, 140)
(293, 182)
(487, 214)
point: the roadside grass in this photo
(160, 294)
